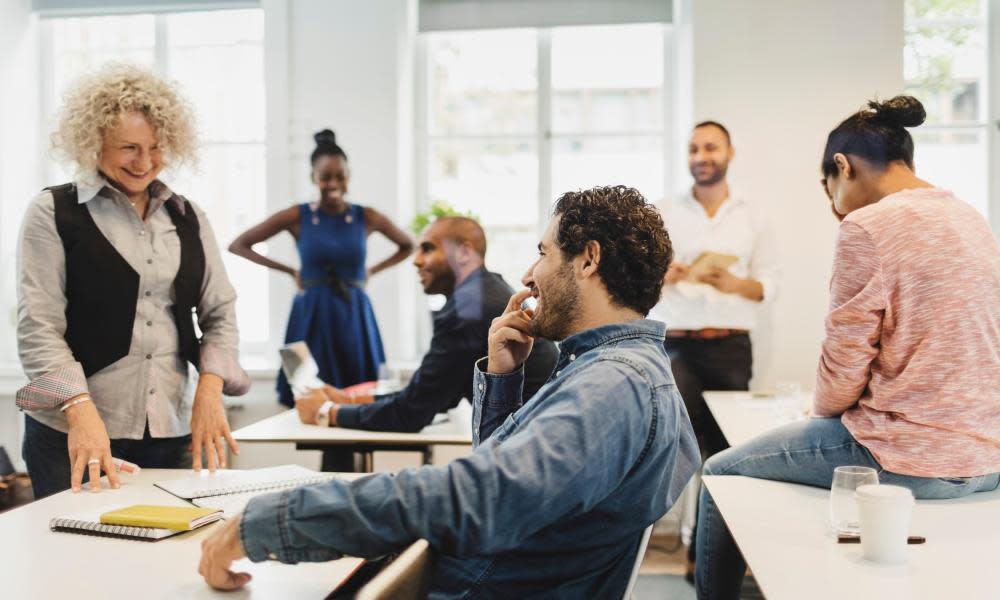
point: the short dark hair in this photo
(876, 133)
(635, 247)
(326, 145)
(717, 125)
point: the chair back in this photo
(406, 578)
(643, 542)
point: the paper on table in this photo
(223, 482)
(300, 368)
(89, 523)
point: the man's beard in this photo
(560, 306)
(717, 174)
(442, 281)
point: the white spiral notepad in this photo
(90, 524)
(231, 490)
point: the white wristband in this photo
(323, 416)
(75, 401)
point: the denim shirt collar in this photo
(582, 342)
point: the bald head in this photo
(448, 251)
(460, 231)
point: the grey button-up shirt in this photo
(153, 383)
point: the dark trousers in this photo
(723, 363)
(338, 460)
(45, 452)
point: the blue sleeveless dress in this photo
(334, 315)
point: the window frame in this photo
(256, 351)
(993, 110)
(544, 134)
(989, 121)
(543, 137)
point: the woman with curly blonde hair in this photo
(115, 271)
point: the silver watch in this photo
(323, 416)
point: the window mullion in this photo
(422, 122)
(667, 91)
(47, 63)
(160, 55)
(544, 120)
(992, 107)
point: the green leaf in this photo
(438, 209)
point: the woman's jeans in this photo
(46, 454)
(806, 452)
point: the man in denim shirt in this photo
(554, 499)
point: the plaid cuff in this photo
(225, 364)
(53, 388)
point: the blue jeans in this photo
(46, 454)
(807, 453)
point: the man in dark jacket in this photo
(449, 261)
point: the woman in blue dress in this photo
(331, 312)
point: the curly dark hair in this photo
(635, 247)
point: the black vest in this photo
(102, 289)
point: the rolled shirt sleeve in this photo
(440, 382)
(484, 503)
(495, 397)
(217, 317)
(54, 373)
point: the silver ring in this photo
(94, 461)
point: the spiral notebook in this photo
(230, 490)
(90, 524)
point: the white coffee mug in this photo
(884, 512)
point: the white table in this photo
(782, 531)
(286, 427)
(38, 563)
(743, 416)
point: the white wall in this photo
(780, 74)
(19, 179)
(19, 143)
(349, 68)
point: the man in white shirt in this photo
(710, 311)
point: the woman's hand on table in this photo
(209, 426)
(89, 447)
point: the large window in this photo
(217, 59)
(946, 66)
(510, 119)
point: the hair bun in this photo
(325, 138)
(901, 111)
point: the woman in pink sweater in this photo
(909, 375)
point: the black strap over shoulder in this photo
(102, 289)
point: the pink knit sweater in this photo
(911, 357)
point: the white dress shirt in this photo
(737, 228)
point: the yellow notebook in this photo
(177, 518)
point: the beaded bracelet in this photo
(75, 401)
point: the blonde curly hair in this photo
(95, 103)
